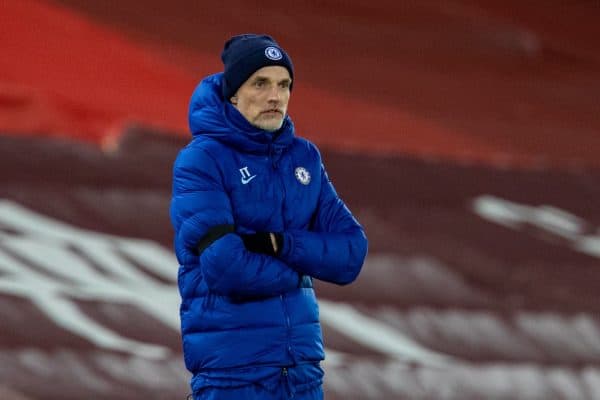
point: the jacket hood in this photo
(210, 115)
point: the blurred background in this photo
(465, 136)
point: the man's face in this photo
(264, 97)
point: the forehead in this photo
(275, 73)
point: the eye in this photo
(284, 85)
(259, 84)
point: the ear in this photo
(234, 100)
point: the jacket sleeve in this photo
(199, 204)
(335, 247)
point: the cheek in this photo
(254, 103)
(250, 107)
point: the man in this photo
(256, 219)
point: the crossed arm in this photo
(333, 249)
(199, 204)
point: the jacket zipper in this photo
(288, 322)
(287, 383)
(288, 325)
(277, 172)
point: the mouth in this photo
(272, 112)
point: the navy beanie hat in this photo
(244, 54)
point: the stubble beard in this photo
(270, 125)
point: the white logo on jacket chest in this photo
(302, 175)
(246, 177)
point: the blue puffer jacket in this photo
(239, 308)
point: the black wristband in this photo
(212, 235)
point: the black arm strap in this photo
(213, 235)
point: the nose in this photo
(274, 94)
